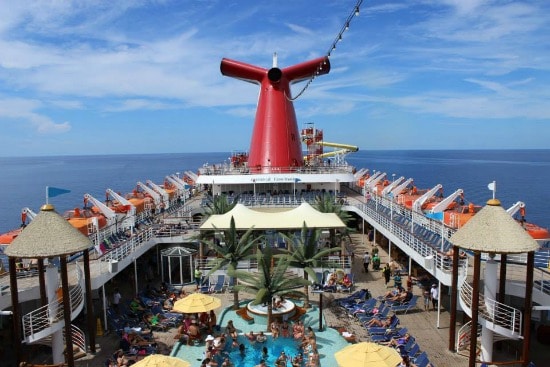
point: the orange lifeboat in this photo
(170, 189)
(8, 237)
(409, 196)
(139, 200)
(83, 219)
(537, 232)
(460, 215)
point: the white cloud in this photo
(141, 104)
(21, 109)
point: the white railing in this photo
(39, 323)
(333, 262)
(170, 231)
(208, 263)
(126, 248)
(464, 336)
(414, 242)
(502, 318)
(78, 338)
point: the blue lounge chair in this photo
(406, 306)
(205, 285)
(364, 308)
(381, 314)
(220, 283)
(391, 334)
(230, 284)
(422, 359)
(360, 295)
(413, 351)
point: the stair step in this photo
(79, 355)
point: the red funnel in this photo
(276, 145)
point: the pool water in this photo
(253, 351)
(328, 342)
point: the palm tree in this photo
(219, 204)
(303, 253)
(235, 249)
(327, 203)
(270, 281)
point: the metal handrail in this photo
(464, 333)
(78, 338)
(414, 242)
(497, 313)
(44, 317)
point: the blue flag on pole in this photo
(55, 191)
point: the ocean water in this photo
(519, 175)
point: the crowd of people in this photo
(219, 343)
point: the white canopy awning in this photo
(294, 218)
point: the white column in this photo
(490, 290)
(52, 285)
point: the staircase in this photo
(48, 319)
(496, 316)
(464, 334)
(79, 342)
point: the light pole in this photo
(320, 292)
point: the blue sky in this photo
(137, 76)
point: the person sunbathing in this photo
(154, 319)
(380, 323)
(398, 342)
(346, 281)
(400, 297)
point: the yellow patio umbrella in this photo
(367, 354)
(159, 360)
(196, 303)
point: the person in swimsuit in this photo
(285, 329)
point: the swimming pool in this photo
(329, 342)
(253, 352)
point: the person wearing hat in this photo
(434, 294)
(209, 338)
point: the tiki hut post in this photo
(15, 309)
(454, 301)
